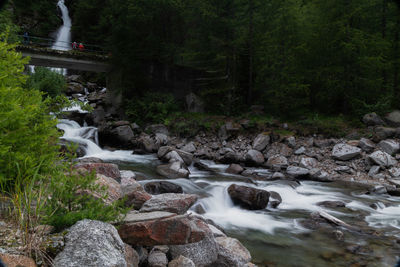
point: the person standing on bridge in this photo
(81, 47)
(74, 46)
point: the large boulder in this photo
(107, 169)
(261, 141)
(157, 258)
(162, 187)
(308, 163)
(372, 119)
(112, 187)
(345, 152)
(123, 134)
(176, 203)
(277, 162)
(161, 228)
(234, 169)
(165, 150)
(189, 147)
(134, 195)
(381, 133)
(381, 158)
(393, 118)
(231, 253)
(173, 170)
(254, 157)
(248, 197)
(366, 145)
(92, 243)
(296, 172)
(389, 146)
(202, 253)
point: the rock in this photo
(278, 176)
(381, 158)
(157, 128)
(135, 195)
(131, 257)
(320, 175)
(379, 190)
(190, 148)
(123, 134)
(162, 187)
(231, 253)
(274, 199)
(261, 142)
(107, 169)
(161, 139)
(176, 203)
(157, 259)
(194, 103)
(165, 150)
(181, 262)
(308, 163)
(173, 156)
(322, 143)
(161, 228)
(389, 146)
(381, 133)
(113, 188)
(249, 197)
(11, 260)
(372, 119)
(92, 243)
(215, 231)
(291, 142)
(202, 253)
(75, 88)
(345, 152)
(393, 118)
(127, 177)
(278, 149)
(374, 171)
(366, 145)
(90, 160)
(254, 157)
(148, 143)
(173, 170)
(300, 151)
(343, 169)
(228, 156)
(295, 172)
(332, 204)
(277, 162)
(394, 172)
(234, 169)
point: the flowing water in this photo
(276, 236)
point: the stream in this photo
(276, 236)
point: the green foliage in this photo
(151, 108)
(47, 81)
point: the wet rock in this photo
(249, 197)
(381, 133)
(389, 146)
(366, 145)
(393, 118)
(92, 243)
(162, 187)
(161, 228)
(261, 142)
(202, 253)
(107, 169)
(157, 128)
(148, 143)
(165, 150)
(274, 199)
(175, 203)
(381, 158)
(181, 262)
(296, 172)
(190, 148)
(173, 170)
(332, 204)
(123, 134)
(11, 260)
(345, 152)
(372, 119)
(308, 163)
(157, 259)
(379, 189)
(254, 157)
(278, 175)
(231, 253)
(234, 169)
(277, 162)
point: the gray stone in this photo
(291, 142)
(308, 163)
(157, 259)
(173, 156)
(345, 152)
(381, 158)
(277, 162)
(379, 189)
(261, 141)
(372, 119)
(374, 171)
(123, 134)
(343, 169)
(173, 170)
(300, 151)
(366, 145)
(381, 133)
(389, 146)
(393, 118)
(190, 148)
(216, 232)
(181, 262)
(92, 243)
(176, 203)
(134, 216)
(234, 169)
(201, 253)
(161, 139)
(278, 175)
(394, 172)
(254, 157)
(297, 171)
(231, 253)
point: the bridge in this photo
(91, 58)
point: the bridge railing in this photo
(51, 43)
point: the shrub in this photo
(47, 81)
